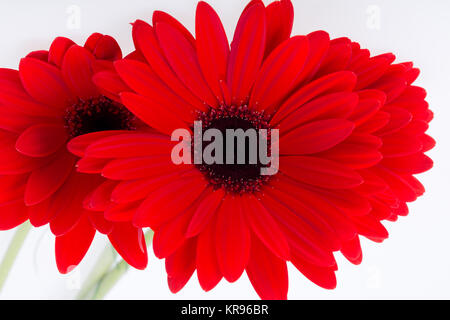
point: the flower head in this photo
(351, 136)
(47, 102)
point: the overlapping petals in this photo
(39, 179)
(352, 137)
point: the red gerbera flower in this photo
(50, 100)
(352, 134)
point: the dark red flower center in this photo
(97, 114)
(236, 177)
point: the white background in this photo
(413, 263)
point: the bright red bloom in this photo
(50, 100)
(352, 134)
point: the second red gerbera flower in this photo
(50, 100)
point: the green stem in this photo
(110, 279)
(12, 251)
(103, 265)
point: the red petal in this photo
(129, 242)
(13, 162)
(212, 47)
(130, 145)
(103, 47)
(372, 70)
(152, 113)
(318, 211)
(145, 41)
(334, 105)
(72, 247)
(67, 203)
(110, 84)
(315, 137)
(44, 181)
(58, 49)
(339, 81)
(12, 214)
(40, 214)
(142, 167)
(247, 52)
(357, 152)
(181, 265)
(400, 186)
(319, 43)
(77, 71)
(12, 187)
(144, 81)
(323, 277)
(163, 17)
(133, 190)
(279, 74)
(182, 57)
(232, 239)
(371, 228)
(91, 165)
(308, 235)
(79, 144)
(398, 145)
(267, 273)
(352, 250)
(122, 212)
(320, 172)
(412, 164)
(17, 103)
(265, 227)
(41, 140)
(39, 55)
(399, 118)
(100, 223)
(171, 235)
(280, 19)
(376, 122)
(208, 270)
(45, 83)
(347, 200)
(169, 201)
(100, 198)
(337, 57)
(205, 211)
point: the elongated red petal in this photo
(45, 83)
(129, 242)
(145, 41)
(181, 265)
(279, 74)
(144, 81)
(212, 47)
(280, 19)
(182, 57)
(208, 270)
(315, 137)
(267, 273)
(204, 212)
(72, 247)
(265, 227)
(320, 172)
(232, 239)
(77, 70)
(41, 140)
(12, 214)
(247, 52)
(152, 113)
(44, 181)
